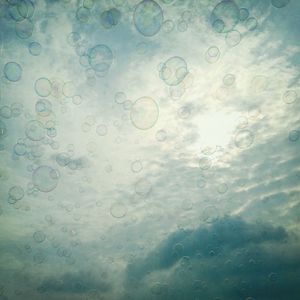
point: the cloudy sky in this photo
(149, 149)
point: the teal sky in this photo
(149, 149)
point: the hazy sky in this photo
(149, 150)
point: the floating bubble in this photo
(136, 166)
(5, 112)
(222, 188)
(43, 87)
(289, 97)
(233, 38)
(120, 97)
(35, 48)
(20, 149)
(101, 130)
(251, 24)
(210, 214)
(205, 163)
(15, 14)
(212, 54)
(16, 193)
(100, 58)
(110, 18)
(39, 236)
(24, 29)
(12, 71)
(201, 183)
(280, 3)
(294, 135)
(161, 135)
(148, 17)
(244, 14)
(143, 187)
(173, 71)
(63, 159)
(229, 79)
(35, 130)
(168, 26)
(83, 14)
(45, 178)
(244, 139)
(228, 13)
(73, 38)
(69, 89)
(182, 25)
(144, 113)
(43, 107)
(118, 210)
(88, 4)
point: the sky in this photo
(149, 149)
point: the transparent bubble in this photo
(73, 38)
(69, 89)
(280, 3)
(182, 25)
(77, 99)
(5, 112)
(120, 97)
(63, 159)
(110, 18)
(168, 26)
(161, 135)
(294, 135)
(136, 166)
(228, 13)
(144, 113)
(173, 71)
(210, 214)
(205, 163)
(24, 29)
(35, 48)
(244, 14)
(83, 14)
(143, 187)
(244, 139)
(88, 3)
(20, 149)
(13, 71)
(16, 193)
(233, 38)
(118, 210)
(39, 236)
(222, 188)
(100, 58)
(43, 86)
(148, 17)
(184, 112)
(251, 24)
(45, 178)
(212, 54)
(229, 79)
(43, 107)
(35, 130)
(15, 14)
(101, 130)
(16, 109)
(289, 97)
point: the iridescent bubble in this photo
(110, 18)
(289, 97)
(100, 58)
(24, 29)
(42, 87)
(228, 13)
(280, 3)
(294, 135)
(118, 210)
(244, 139)
(12, 71)
(144, 113)
(251, 24)
(35, 48)
(212, 54)
(35, 130)
(148, 17)
(43, 107)
(39, 236)
(45, 178)
(233, 38)
(173, 71)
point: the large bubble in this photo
(173, 71)
(110, 18)
(225, 16)
(244, 139)
(43, 87)
(45, 178)
(144, 113)
(148, 17)
(100, 58)
(12, 71)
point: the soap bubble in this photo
(24, 29)
(289, 97)
(39, 236)
(210, 214)
(110, 18)
(233, 38)
(136, 166)
(251, 24)
(100, 58)
(161, 135)
(35, 130)
(101, 130)
(143, 187)
(83, 14)
(244, 139)
(5, 112)
(43, 107)
(144, 113)
(35, 48)
(63, 159)
(280, 3)
(148, 17)
(16, 193)
(229, 79)
(212, 54)
(42, 87)
(226, 13)
(294, 135)
(118, 210)
(12, 71)
(20, 149)
(45, 178)
(244, 14)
